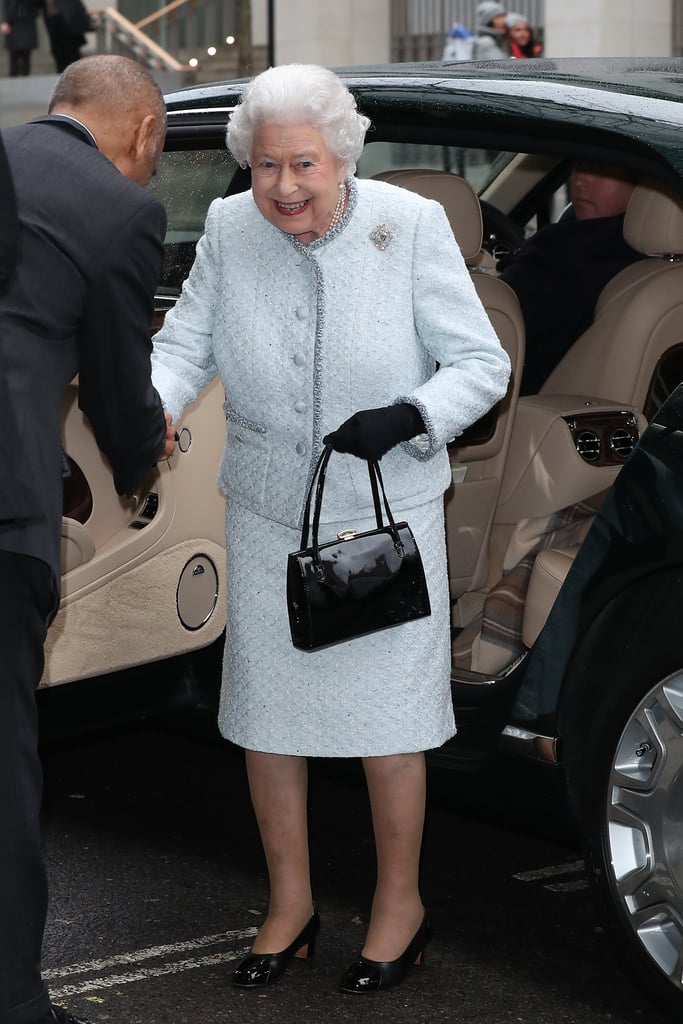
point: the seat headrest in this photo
(653, 223)
(457, 197)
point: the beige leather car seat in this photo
(639, 315)
(478, 467)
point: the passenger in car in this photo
(559, 272)
(80, 301)
(325, 303)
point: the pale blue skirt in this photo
(386, 693)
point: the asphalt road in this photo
(158, 883)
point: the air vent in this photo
(588, 445)
(622, 442)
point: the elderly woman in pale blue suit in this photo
(340, 310)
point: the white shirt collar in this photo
(68, 117)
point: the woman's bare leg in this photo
(279, 786)
(397, 788)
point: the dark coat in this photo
(76, 16)
(18, 499)
(558, 275)
(21, 15)
(82, 299)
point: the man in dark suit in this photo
(66, 21)
(80, 301)
(559, 272)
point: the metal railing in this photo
(184, 25)
(116, 34)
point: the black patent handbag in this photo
(358, 583)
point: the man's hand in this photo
(171, 438)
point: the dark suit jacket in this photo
(81, 301)
(558, 275)
(18, 499)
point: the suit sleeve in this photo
(115, 384)
(9, 222)
(473, 369)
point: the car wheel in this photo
(633, 825)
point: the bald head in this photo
(121, 104)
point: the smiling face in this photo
(520, 33)
(295, 179)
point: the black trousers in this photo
(26, 601)
(19, 63)
(64, 45)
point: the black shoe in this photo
(365, 975)
(267, 968)
(62, 1017)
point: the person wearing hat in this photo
(490, 43)
(520, 38)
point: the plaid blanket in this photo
(493, 639)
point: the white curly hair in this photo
(299, 94)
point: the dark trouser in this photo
(19, 63)
(64, 45)
(25, 605)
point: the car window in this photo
(186, 182)
(479, 166)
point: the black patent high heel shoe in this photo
(267, 968)
(365, 975)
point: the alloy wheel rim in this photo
(645, 825)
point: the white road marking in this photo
(578, 886)
(150, 953)
(114, 980)
(235, 938)
(576, 867)
(554, 871)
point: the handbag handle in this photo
(318, 480)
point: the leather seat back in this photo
(478, 464)
(456, 195)
(639, 315)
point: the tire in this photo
(632, 821)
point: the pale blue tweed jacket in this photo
(379, 310)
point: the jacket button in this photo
(301, 448)
(300, 405)
(299, 358)
(301, 312)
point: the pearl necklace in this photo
(340, 207)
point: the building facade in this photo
(342, 32)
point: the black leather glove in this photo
(372, 432)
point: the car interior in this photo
(570, 440)
(526, 480)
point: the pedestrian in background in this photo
(459, 43)
(80, 302)
(18, 26)
(66, 21)
(520, 37)
(490, 43)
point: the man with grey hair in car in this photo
(80, 301)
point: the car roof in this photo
(595, 108)
(657, 78)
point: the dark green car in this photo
(565, 518)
